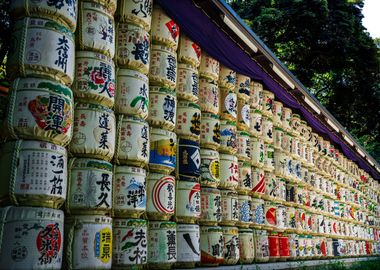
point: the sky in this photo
(371, 21)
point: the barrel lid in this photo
(132, 73)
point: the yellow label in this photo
(105, 245)
(215, 169)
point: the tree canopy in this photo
(324, 43)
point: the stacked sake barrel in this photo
(88, 225)
(38, 127)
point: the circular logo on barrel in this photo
(214, 169)
(164, 195)
(271, 216)
(48, 242)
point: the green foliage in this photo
(325, 44)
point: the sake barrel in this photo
(277, 113)
(295, 123)
(212, 245)
(132, 141)
(268, 103)
(274, 246)
(256, 98)
(189, 52)
(31, 39)
(257, 152)
(187, 83)
(189, 160)
(228, 137)
(163, 145)
(246, 246)
(231, 245)
(245, 211)
(32, 238)
(284, 246)
(210, 131)
(281, 217)
(314, 141)
(188, 202)
(227, 77)
(261, 246)
(162, 108)
(89, 187)
(228, 104)
(230, 207)
(40, 109)
(286, 144)
(270, 209)
(209, 67)
(268, 130)
(281, 189)
(280, 160)
(96, 28)
(211, 206)
(132, 47)
(256, 123)
(88, 242)
(208, 96)
(94, 131)
(62, 12)
(271, 187)
(161, 196)
(286, 118)
(243, 115)
(130, 247)
(303, 130)
(210, 168)
(33, 173)
(188, 247)
(229, 172)
(163, 67)
(291, 219)
(258, 179)
(164, 30)
(129, 191)
(188, 124)
(137, 13)
(269, 158)
(258, 217)
(132, 96)
(245, 178)
(295, 147)
(294, 247)
(243, 87)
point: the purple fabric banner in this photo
(198, 26)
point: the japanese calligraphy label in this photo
(96, 28)
(258, 212)
(94, 78)
(230, 207)
(188, 124)
(40, 109)
(94, 131)
(243, 87)
(243, 146)
(164, 30)
(290, 218)
(189, 160)
(91, 244)
(231, 245)
(245, 211)
(211, 206)
(130, 242)
(136, 12)
(246, 246)
(227, 77)
(261, 245)
(278, 136)
(229, 171)
(280, 160)
(31, 238)
(189, 52)
(35, 173)
(161, 196)
(245, 178)
(132, 93)
(281, 216)
(31, 39)
(257, 152)
(163, 145)
(258, 177)
(188, 247)
(210, 131)
(90, 187)
(256, 123)
(212, 245)
(188, 202)
(162, 243)
(256, 98)
(243, 115)
(268, 130)
(163, 67)
(295, 122)
(228, 104)
(132, 47)
(162, 108)
(132, 145)
(209, 68)
(63, 12)
(228, 137)
(208, 96)
(286, 117)
(277, 113)
(269, 158)
(187, 83)
(129, 191)
(268, 103)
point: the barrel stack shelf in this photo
(126, 145)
